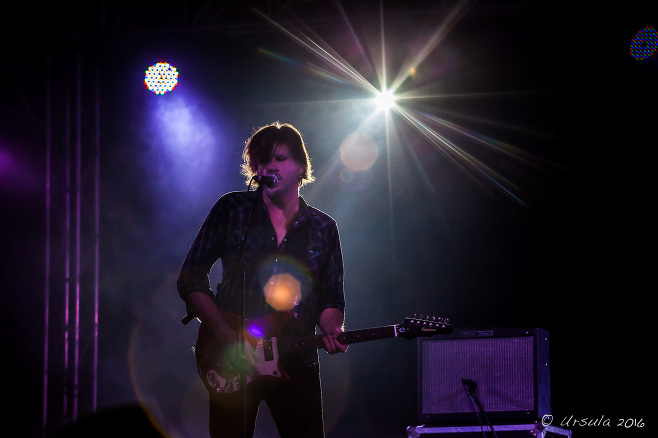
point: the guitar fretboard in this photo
(345, 338)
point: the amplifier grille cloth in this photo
(503, 369)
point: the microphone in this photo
(270, 181)
(471, 385)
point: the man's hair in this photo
(259, 149)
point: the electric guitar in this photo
(220, 370)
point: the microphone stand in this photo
(242, 346)
(469, 387)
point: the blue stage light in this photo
(161, 78)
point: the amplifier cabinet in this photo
(507, 370)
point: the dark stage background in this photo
(551, 84)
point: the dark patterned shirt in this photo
(305, 271)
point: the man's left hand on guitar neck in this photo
(331, 323)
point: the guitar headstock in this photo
(415, 327)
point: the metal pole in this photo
(96, 236)
(78, 209)
(67, 258)
(46, 335)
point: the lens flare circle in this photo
(358, 152)
(282, 280)
(161, 78)
(283, 292)
(346, 175)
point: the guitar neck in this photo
(345, 338)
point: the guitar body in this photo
(220, 366)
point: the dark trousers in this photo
(295, 404)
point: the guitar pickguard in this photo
(222, 377)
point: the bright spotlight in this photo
(161, 78)
(385, 100)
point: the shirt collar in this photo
(303, 215)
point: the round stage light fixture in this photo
(161, 78)
(644, 44)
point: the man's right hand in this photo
(204, 308)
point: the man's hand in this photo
(242, 356)
(331, 343)
(331, 324)
(205, 309)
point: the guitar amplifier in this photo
(501, 372)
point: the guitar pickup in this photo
(268, 352)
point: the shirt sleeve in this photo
(204, 252)
(334, 294)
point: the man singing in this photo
(278, 254)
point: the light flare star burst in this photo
(385, 100)
(390, 99)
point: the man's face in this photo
(285, 168)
